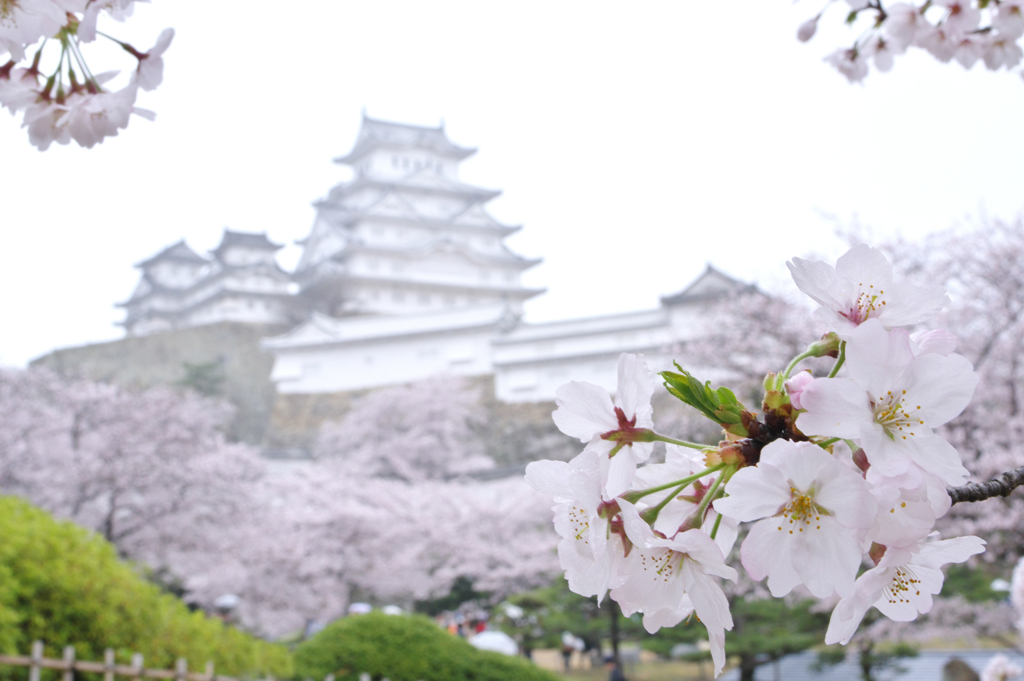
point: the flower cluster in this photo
(68, 102)
(835, 472)
(964, 30)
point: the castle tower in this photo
(405, 236)
(241, 283)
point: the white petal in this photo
(618, 473)
(818, 280)
(755, 492)
(843, 492)
(957, 550)
(584, 410)
(636, 386)
(800, 462)
(549, 477)
(875, 356)
(836, 407)
(942, 386)
(765, 552)
(932, 453)
(827, 558)
(864, 265)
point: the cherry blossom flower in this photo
(118, 10)
(861, 287)
(87, 118)
(901, 586)
(1000, 51)
(1000, 668)
(616, 431)
(938, 341)
(670, 578)
(904, 24)
(963, 17)
(811, 509)
(938, 42)
(891, 402)
(588, 553)
(795, 387)
(23, 22)
(151, 64)
(682, 463)
(1009, 19)
(908, 506)
(850, 63)
(19, 90)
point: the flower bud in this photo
(828, 346)
(807, 30)
(796, 385)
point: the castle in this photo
(405, 275)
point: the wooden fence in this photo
(136, 671)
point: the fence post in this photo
(108, 664)
(37, 658)
(209, 670)
(69, 663)
(136, 666)
(180, 669)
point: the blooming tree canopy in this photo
(836, 469)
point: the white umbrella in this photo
(498, 641)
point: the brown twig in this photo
(979, 491)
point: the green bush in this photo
(404, 648)
(63, 585)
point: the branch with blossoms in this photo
(965, 30)
(832, 471)
(65, 100)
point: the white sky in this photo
(634, 141)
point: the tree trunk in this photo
(747, 667)
(613, 614)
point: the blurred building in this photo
(405, 275)
(239, 282)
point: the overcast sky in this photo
(635, 142)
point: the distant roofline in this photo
(366, 142)
(166, 254)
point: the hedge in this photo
(404, 648)
(64, 585)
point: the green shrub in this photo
(404, 648)
(64, 585)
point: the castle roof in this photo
(710, 284)
(179, 252)
(375, 134)
(251, 240)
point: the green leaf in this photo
(720, 405)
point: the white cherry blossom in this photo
(1009, 19)
(901, 586)
(861, 287)
(588, 553)
(150, 72)
(1000, 668)
(908, 506)
(586, 411)
(850, 63)
(811, 510)
(963, 16)
(19, 90)
(904, 24)
(891, 402)
(24, 22)
(667, 579)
